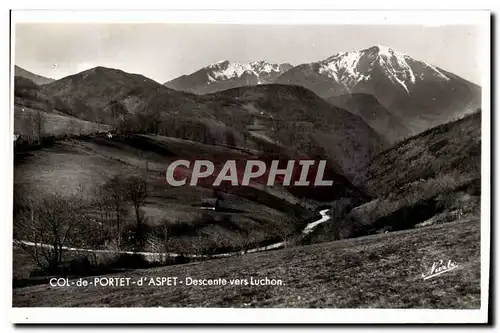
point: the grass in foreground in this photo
(377, 271)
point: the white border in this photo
(291, 16)
(236, 316)
(211, 315)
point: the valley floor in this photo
(377, 271)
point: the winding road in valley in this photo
(324, 217)
(157, 255)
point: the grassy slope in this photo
(383, 271)
(374, 114)
(293, 118)
(66, 166)
(450, 149)
(300, 119)
(54, 124)
(30, 99)
(312, 125)
(433, 177)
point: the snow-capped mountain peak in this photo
(225, 74)
(351, 68)
(224, 69)
(418, 94)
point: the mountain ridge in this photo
(373, 113)
(414, 92)
(224, 75)
(420, 94)
(263, 117)
(38, 79)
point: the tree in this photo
(198, 247)
(114, 191)
(285, 230)
(165, 235)
(35, 120)
(216, 198)
(73, 127)
(230, 139)
(159, 246)
(248, 242)
(105, 208)
(136, 192)
(39, 120)
(52, 222)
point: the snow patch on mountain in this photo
(264, 67)
(210, 79)
(343, 68)
(437, 72)
(227, 70)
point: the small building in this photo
(213, 202)
(210, 203)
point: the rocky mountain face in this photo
(226, 75)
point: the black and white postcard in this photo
(250, 166)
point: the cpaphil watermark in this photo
(293, 173)
(438, 268)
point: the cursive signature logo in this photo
(438, 268)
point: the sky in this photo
(165, 51)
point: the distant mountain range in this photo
(38, 79)
(395, 94)
(226, 75)
(269, 118)
(354, 103)
(416, 93)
